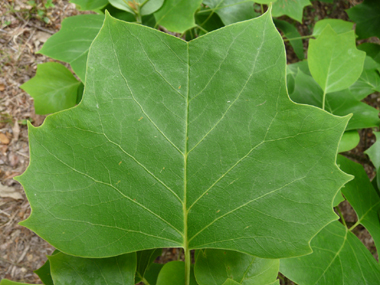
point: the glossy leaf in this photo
(350, 140)
(72, 42)
(167, 132)
(374, 151)
(89, 4)
(293, 9)
(53, 89)
(177, 15)
(339, 26)
(290, 32)
(338, 257)
(232, 11)
(367, 18)
(173, 273)
(334, 61)
(362, 197)
(114, 270)
(307, 91)
(215, 267)
(150, 7)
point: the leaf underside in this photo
(180, 144)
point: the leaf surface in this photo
(372, 50)
(168, 132)
(145, 261)
(349, 141)
(9, 282)
(232, 11)
(119, 270)
(53, 89)
(293, 9)
(374, 151)
(367, 18)
(339, 26)
(90, 4)
(72, 42)
(215, 267)
(362, 196)
(177, 15)
(173, 273)
(338, 257)
(334, 60)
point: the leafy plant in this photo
(196, 145)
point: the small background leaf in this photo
(367, 18)
(150, 7)
(339, 26)
(90, 4)
(290, 32)
(114, 270)
(215, 267)
(173, 273)
(350, 140)
(293, 9)
(53, 89)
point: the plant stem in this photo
(262, 8)
(202, 29)
(187, 265)
(354, 226)
(299, 38)
(142, 5)
(341, 216)
(323, 99)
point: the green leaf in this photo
(374, 151)
(167, 132)
(215, 267)
(9, 282)
(368, 83)
(290, 32)
(90, 4)
(150, 7)
(362, 197)
(350, 140)
(173, 273)
(232, 11)
(339, 26)
(293, 9)
(144, 260)
(342, 103)
(44, 271)
(71, 43)
(338, 257)
(367, 18)
(119, 14)
(334, 61)
(372, 50)
(113, 270)
(177, 15)
(151, 274)
(53, 89)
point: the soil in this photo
(23, 30)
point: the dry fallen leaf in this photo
(4, 139)
(9, 192)
(2, 87)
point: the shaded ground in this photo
(23, 30)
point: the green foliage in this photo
(53, 88)
(71, 43)
(196, 145)
(215, 267)
(367, 18)
(293, 9)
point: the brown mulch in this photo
(22, 33)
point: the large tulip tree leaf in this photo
(293, 9)
(367, 18)
(168, 132)
(338, 257)
(362, 196)
(177, 15)
(72, 42)
(232, 11)
(334, 60)
(113, 270)
(215, 267)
